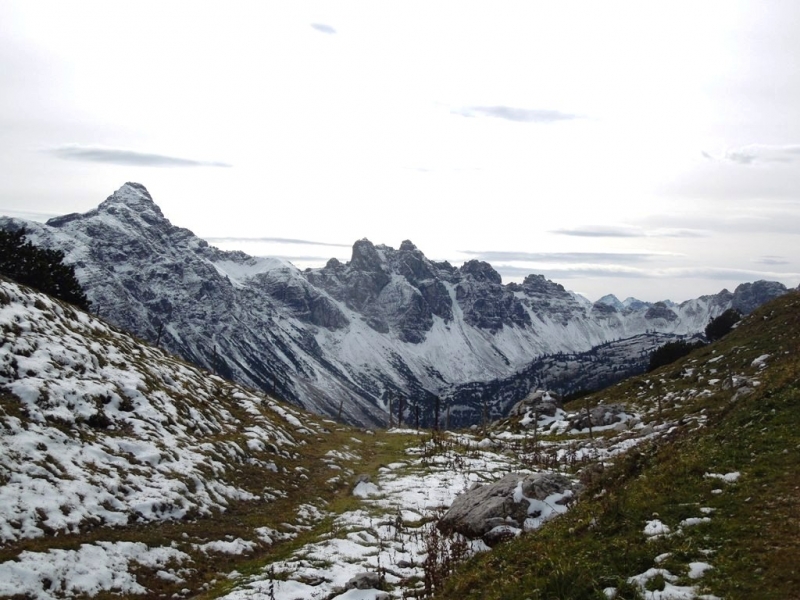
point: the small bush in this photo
(99, 420)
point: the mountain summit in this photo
(345, 339)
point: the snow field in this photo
(387, 534)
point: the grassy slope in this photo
(753, 537)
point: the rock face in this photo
(507, 503)
(343, 339)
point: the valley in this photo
(173, 482)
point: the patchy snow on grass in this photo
(116, 432)
(698, 569)
(655, 528)
(237, 546)
(365, 489)
(93, 568)
(727, 477)
(388, 531)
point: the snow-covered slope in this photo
(98, 429)
(342, 339)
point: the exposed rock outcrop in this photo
(599, 416)
(508, 503)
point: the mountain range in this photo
(388, 329)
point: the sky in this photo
(645, 149)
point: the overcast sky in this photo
(647, 149)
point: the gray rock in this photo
(741, 393)
(481, 509)
(749, 296)
(646, 430)
(538, 401)
(502, 533)
(603, 414)
(366, 580)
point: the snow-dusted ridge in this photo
(98, 429)
(342, 339)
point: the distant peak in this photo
(481, 271)
(365, 256)
(611, 300)
(134, 192)
(137, 187)
(134, 196)
(408, 246)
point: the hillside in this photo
(709, 510)
(119, 454)
(172, 482)
(345, 339)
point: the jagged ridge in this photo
(341, 339)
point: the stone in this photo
(603, 414)
(486, 507)
(538, 401)
(500, 534)
(366, 580)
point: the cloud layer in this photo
(520, 115)
(624, 231)
(759, 154)
(566, 257)
(279, 240)
(321, 27)
(120, 156)
(626, 272)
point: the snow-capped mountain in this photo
(344, 339)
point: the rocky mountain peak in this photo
(407, 246)
(611, 300)
(365, 256)
(341, 335)
(748, 296)
(660, 310)
(481, 271)
(131, 197)
(134, 196)
(534, 283)
(635, 304)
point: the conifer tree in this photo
(39, 268)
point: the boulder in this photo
(507, 503)
(540, 401)
(366, 580)
(604, 414)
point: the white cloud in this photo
(121, 156)
(322, 28)
(759, 154)
(520, 115)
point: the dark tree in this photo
(722, 325)
(670, 352)
(39, 268)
